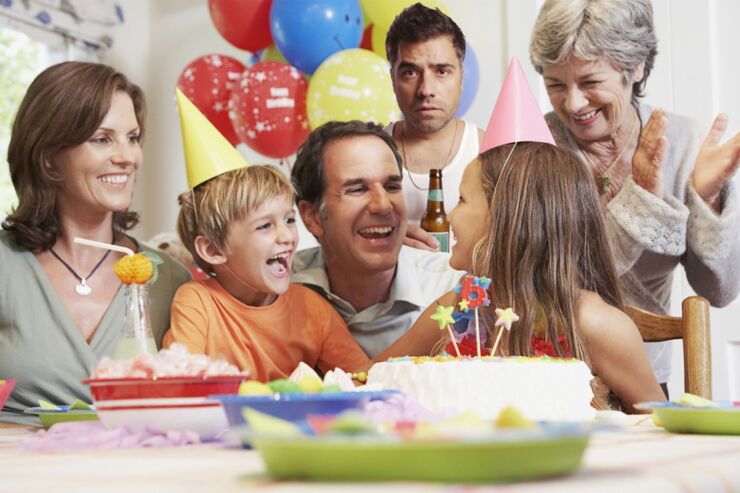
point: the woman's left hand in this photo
(716, 163)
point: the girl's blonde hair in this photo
(547, 241)
(211, 207)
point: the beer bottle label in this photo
(435, 195)
(444, 241)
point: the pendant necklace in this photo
(403, 153)
(603, 178)
(81, 288)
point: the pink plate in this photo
(164, 387)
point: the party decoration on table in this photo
(243, 23)
(352, 85)
(516, 116)
(208, 82)
(471, 76)
(473, 294)
(136, 271)
(443, 317)
(207, 152)
(308, 36)
(505, 319)
(67, 437)
(269, 109)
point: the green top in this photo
(40, 346)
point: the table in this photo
(635, 458)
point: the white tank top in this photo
(416, 200)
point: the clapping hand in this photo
(647, 162)
(716, 163)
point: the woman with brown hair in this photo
(531, 221)
(74, 152)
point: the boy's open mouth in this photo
(279, 263)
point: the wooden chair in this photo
(693, 327)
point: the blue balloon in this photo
(471, 77)
(307, 32)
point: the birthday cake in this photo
(542, 388)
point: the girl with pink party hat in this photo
(529, 218)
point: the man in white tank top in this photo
(426, 51)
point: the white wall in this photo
(696, 74)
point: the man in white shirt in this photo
(426, 50)
(349, 194)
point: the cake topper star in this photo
(482, 281)
(443, 316)
(505, 318)
(463, 304)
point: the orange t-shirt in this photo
(269, 341)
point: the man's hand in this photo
(647, 162)
(418, 238)
(716, 163)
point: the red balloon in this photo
(243, 23)
(269, 109)
(208, 81)
(367, 38)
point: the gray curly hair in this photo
(620, 30)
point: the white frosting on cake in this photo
(541, 388)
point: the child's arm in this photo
(421, 338)
(188, 321)
(616, 351)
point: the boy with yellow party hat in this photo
(239, 224)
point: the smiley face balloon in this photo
(310, 31)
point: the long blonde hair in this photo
(547, 241)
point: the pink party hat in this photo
(516, 116)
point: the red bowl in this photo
(164, 387)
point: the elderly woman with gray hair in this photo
(667, 192)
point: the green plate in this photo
(365, 459)
(709, 421)
(51, 417)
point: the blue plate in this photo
(297, 407)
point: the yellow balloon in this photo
(382, 12)
(377, 40)
(272, 54)
(352, 85)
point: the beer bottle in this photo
(434, 220)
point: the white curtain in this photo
(73, 29)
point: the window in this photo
(21, 59)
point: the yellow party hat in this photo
(207, 152)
